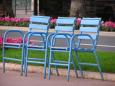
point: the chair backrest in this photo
(65, 25)
(39, 23)
(91, 27)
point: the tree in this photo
(35, 7)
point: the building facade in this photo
(12, 8)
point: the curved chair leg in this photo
(98, 65)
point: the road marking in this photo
(101, 45)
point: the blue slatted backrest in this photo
(90, 25)
(88, 29)
(95, 18)
(90, 21)
(65, 24)
(39, 23)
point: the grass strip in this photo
(107, 59)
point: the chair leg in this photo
(77, 57)
(98, 65)
(75, 68)
(45, 64)
(47, 61)
(53, 59)
(49, 66)
(23, 60)
(3, 60)
(22, 63)
(57, 72)
(69, 64)
(26, 68)
(22, 68)
(45, 70)
(3, 65)
(26, 63)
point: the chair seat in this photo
(60, 48)
(84, 49)
(62, 36)
(13, 45)
(35, 47)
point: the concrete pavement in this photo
(13, 78)
(62, 72)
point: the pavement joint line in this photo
(62, 72)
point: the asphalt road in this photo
(106, 43)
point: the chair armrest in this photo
(14, 31)
(86, 35)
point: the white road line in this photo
(101, 45)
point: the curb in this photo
(62, 72)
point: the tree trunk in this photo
(35, 7)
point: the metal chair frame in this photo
(89, 30)
(7, 45)
(34, 25)
(41, 24)
(64, 29)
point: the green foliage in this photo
(22, 22)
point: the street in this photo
(106, 43)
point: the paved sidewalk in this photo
(62, 72)
(102, 33)
(11, 78)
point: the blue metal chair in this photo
(33, 27)
(38, 27)
(64, 30)
(89, 33)
(8, 44)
